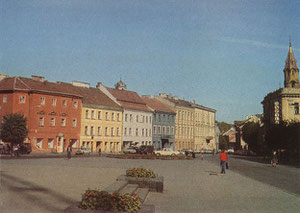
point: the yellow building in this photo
(184, 122)
(101, 120)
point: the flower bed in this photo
(102, 200)
(140, 172)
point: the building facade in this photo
(101, 119)
(163, 124)
(137, 117)
(204, 128)
(283, 104)
(52, 111)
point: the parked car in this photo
(187, 151)
(130, 150)
(230, 150)
(83, 151)
(167, 151)
(145, 149)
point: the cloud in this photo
(252, 42)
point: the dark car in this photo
(145, 149)
(25, 148)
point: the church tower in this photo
(291, 71)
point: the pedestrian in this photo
(99, 151)
(202, 154)
(69, 151)
(274, 159)
(18, 150)
(223, 161)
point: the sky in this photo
(226, 55)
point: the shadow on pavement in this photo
(26, 188)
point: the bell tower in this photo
(291, 71)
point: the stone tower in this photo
(291, 71)
(120, 85)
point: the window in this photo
(125, 131)
(150, 132)
(52, 121)
(99, 130)
(168, 130)
(112, 131)
(172, 133)
(146, 119)
(137, 118)
(74, 123)
(86, 130)
(106, 131)
(50, 143)
(43, 101)
(41, 121)
(63, 122)
(112, 116)
(92, 114)
(39, 143)
(146, 134)
(154, 130)
(126, 117)
(106, 116)
(64, 103)
(164, 130)
(92, 130)
(22, 99)
(150, 119)
(142, 132)
(130, 117)
(159, 132)
(54, 101)
(86, 114)
(129, 131)
(4, 99)
(118, 131)
(296, 108)
(137, 132)
(118, 116)
(99, 115)
(75, 104)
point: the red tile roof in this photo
(129, 99)
(157, 105)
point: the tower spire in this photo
(291, 71)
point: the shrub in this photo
(96, 200)
(140, 172)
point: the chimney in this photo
(163, 95)
(80, 84)
(38, 78)
(3, 76)
(175, 98)
(193, 101)
(99, 85)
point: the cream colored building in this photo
(204, 128)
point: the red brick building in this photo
(53, 111)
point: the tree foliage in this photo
(251, 135)
(13, 129)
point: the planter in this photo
(154, 184)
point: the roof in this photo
(290, 62)
(157, 105)
(92, 96)
(30, 85)
(129, 99)
(179, 102)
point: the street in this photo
(52, 184)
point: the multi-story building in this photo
(204, 127)
(53, 112)
(101, 119)
(283, 104)
(184, 122)
(163, 124)
(137, 117)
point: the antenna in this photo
(290, 40)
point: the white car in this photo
(167, 151)
(83, 151)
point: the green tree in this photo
(251, 135)
(13, 128)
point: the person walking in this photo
(69, 151)
(99, 151)
(223, 161)
(274, 159)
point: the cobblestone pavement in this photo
(52, 184)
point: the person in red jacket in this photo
(223, 159)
